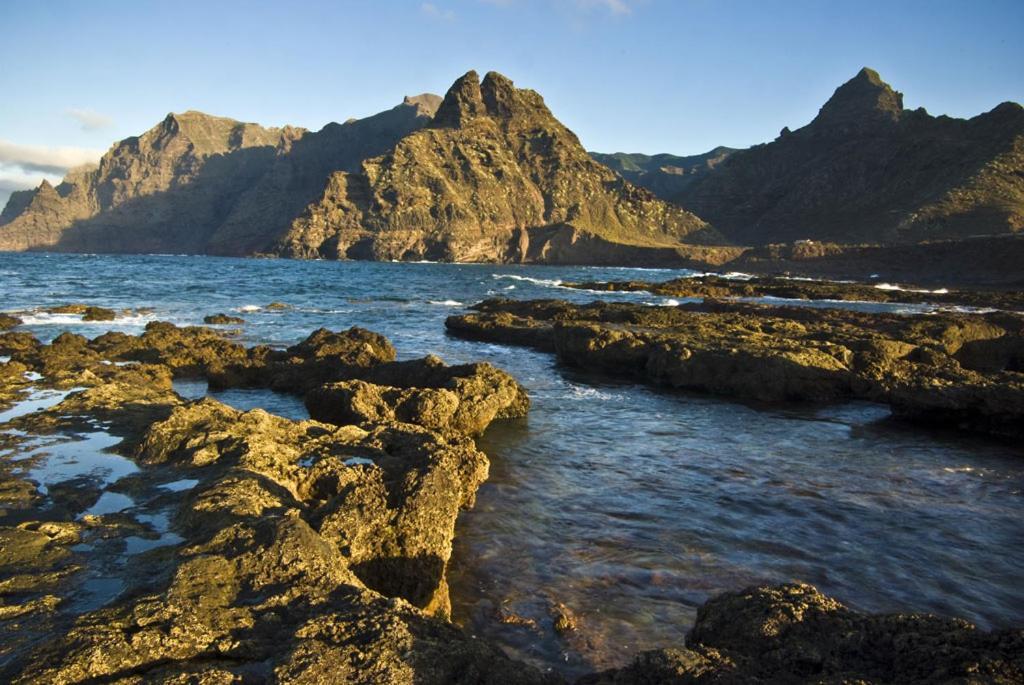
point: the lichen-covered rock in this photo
(956, 370)
(8, 322)
(465, 398)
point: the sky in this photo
(678, 76)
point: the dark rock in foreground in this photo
(955, 370)
(794, 634)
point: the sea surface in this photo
(629, 506)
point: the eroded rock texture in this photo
(955, 370)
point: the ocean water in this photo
(628, 505)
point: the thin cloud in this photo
(90, 120)
(432, 10)
(617, 7)
(45, 160)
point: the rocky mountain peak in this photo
(864, 99)
(425, 103)
(462, 102)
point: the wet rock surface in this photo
(244, 547)
(222, 319)
(954, 370)
(719, 287)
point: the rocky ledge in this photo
(720, 287)
(315, 551)
(949, 369)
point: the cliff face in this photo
(198, 184)
(494, 177)
(868, 170)
(664, 175)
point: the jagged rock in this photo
(926, 367)
(865, 170)
(464, 398)
(8, 322)
(494, 177)
(196, 183)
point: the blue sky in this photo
(678, 76)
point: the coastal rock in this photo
(222, 319)
(8, 322)
(920, 365)
(793, 633)
(88, 312)
(465, 398)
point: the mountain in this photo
(493, 177)
(866, 170)
(486, 174)
(197, 184)
(664, 175)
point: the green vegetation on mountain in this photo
(494, 177)
(866, 170)
(664, 175)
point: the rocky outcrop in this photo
(794, 634)
(304, 551)
(951, 370)
(494, 177)
(866, 170)
(720, 287)
(664, 175)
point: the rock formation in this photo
(494, 177)
(951, 370)
(866, 170)
(308, 551)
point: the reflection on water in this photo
(627, 505)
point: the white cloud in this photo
(432, 10)
(90, 120)
(618, 7)
(45, 160)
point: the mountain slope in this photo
(494, 177)
(664, 175)
(196, 183)
(868, 170)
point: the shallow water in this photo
(628, 505)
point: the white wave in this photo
(4, 359)
(446, 303)
(509, 287)
(670, 303)
(582, 392)
(737, 276)
(551, 283)
(249, 308)
(892, 286)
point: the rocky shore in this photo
(950, 369)
(719, 287)
(262, 549)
